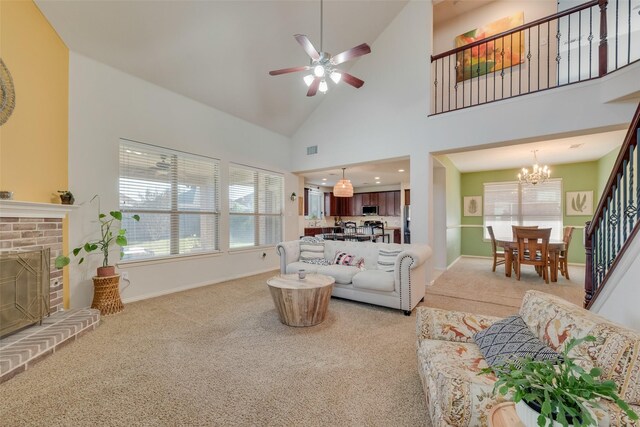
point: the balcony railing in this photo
(575, 45)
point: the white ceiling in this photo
(363, 175)
(220, 52)
(551, 152)
(444, 10)
(557, 151)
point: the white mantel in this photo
(18, 209)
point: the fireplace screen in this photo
(24, 289)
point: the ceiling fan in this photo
(323, 64)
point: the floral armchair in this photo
(449, 361)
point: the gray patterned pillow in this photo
(387, 259)
(311, 248)
(509, 340)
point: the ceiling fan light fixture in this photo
(308, 79)
(318, 70)
(335, 76)
(323, 86)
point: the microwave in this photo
(369, 210)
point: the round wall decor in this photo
(7, 93)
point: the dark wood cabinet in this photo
(396, 235)
(407, 197)
(381, 204)
(338, 206)
(397, 211)
(357, 205)
(306, 202)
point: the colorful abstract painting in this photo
(494, 55)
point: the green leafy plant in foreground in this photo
(107, 239)
(564, 391)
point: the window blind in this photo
(512, 203)
(256, 203)
(177, 196)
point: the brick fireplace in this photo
(28, 226)
(24, 228)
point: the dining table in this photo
(555, 248)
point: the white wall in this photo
(106, 105)
(619, 299)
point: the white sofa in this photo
(401, 289)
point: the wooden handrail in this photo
(629, 140)
(517, 29)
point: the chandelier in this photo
(537, 175)
(343, 188)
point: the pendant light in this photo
(343, 188)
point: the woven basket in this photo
(106, 295)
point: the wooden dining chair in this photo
(533, 249)
(526, 227)
(498, 256)
(564, 255)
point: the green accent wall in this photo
(454, 209)
(575, 177)
(605, 164)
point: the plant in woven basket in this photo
(108, 238)
(561, 393)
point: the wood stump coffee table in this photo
(301, 302)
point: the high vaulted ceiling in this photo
(220, 52)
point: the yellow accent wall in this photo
(34, 141)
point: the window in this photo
(256, 203)
(315, 202)
(177, 197)
(512, 203)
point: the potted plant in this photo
(66, 197)
(548, 392)
(107, 240)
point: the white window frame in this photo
(320, 195)
(174, 212)
(556, 234)
(255, 214)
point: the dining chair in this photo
(564, 255)
(533, 249)
(378, 231)
(526, 227)
(498, 256)
(350, 231)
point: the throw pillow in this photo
(318, 261)
(343, 258)
(509, 340)
(387, 259)
(311, 248)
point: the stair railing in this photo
(617, 218)
(565, 48)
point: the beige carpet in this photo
(471, 286)
(219, 356)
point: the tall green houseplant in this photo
(108, 238)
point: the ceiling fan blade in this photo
(353, 81)
(307, 46)
(288, 70)
(313, 87)
(350, 54)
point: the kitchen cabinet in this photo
(396, 204)
(407, 197)
(338, 206)
(381, 203)
(306, 202)
(396, 236)
(357, 205)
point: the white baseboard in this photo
(193, 286)
(454, 261)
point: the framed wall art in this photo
(472, 205)
(494, 55)
(579, 203)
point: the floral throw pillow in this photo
(344, 258)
